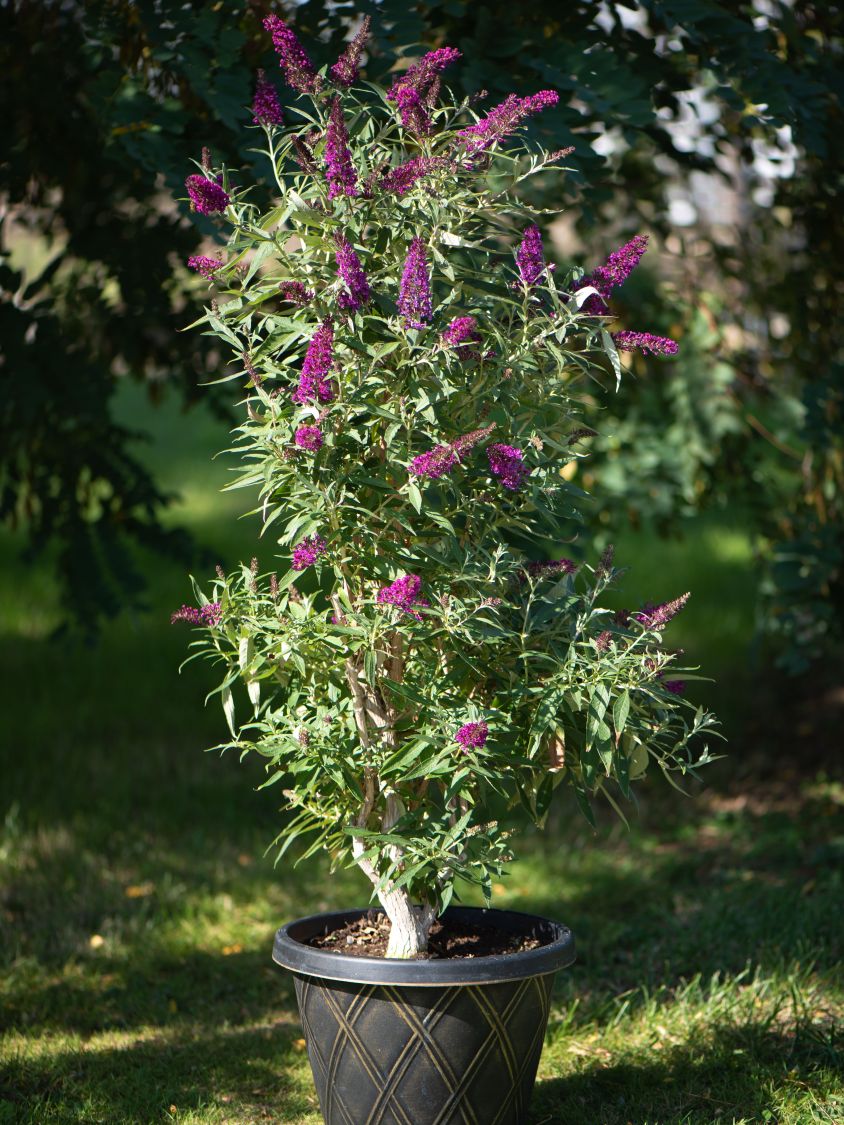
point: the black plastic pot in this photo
(433, 1042)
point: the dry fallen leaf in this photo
(139, 890)
(228, 950)
(299, 1044)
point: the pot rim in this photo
(291, 952)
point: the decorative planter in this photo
(428, 1042)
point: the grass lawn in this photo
(137, 912)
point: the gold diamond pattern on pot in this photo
(393, 1055)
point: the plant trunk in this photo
(409, 925)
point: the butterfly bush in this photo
(412, 371)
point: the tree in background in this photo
(103, 98)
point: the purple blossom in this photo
(265, 106)
(460, 334)
(345, 70)
(676, 687)
(647, 342)
(319, 359)
(404, 595)
(615, 272)
(205, 265)
(508, 463)
(440, 460)
(529, 256)
(309, 437)
(658, 616)
(544, 569)
(414, 302)
(415, 92)
(436, 463)
(357, 291)
(603, 640)
(297, 68)
(504, 119)
(208, 614)
(206, 196)
(472, 736)
(308, 551)
(399, 181)
(295, 293)
(340, 171)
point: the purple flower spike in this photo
(461, 333)
(266, 109)
(501, 121)
(415, 290)
(404, 595)
(508, 464)
(309, 437)
(657, 617)
(205, 266)
(297, 68)
(472, 736)
(345, 70)
(437, 462)
(529, 256)
(399, 181)
(615, 272)
(206, 196)
(440, 460)
(295, 293)
(648, 343)
(208, 614)
(357, 291)
(544, 569)
(676, 687)
(342, 178)
(314, 383)
(415, 92)
(308, 551)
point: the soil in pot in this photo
(449, 938)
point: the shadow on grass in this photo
(731, 1077)
(254, 1074)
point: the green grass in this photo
(137, 912)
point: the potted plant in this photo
(417, 677)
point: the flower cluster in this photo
(414, 302)
(297, 68)
(415, 92)
(508, 464)
(501, 121)
(208, 197)
(265, 105)
(399, 181)
(404, 595)
(356, 291)
(308, 551)
(613, 273)
(204, 265)
(295, 293)
(345, 70)
(440, 460)
(314, 383)
(658, 616)
(461, 333)
(208, 614)
(544, 569)
(340, 171)
(472, 736)
(308, 437)
(530, 258)
(646, 342)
